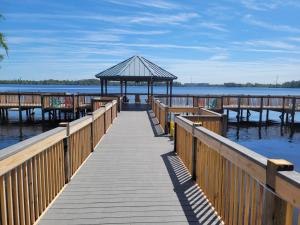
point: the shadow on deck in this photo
(195, 205)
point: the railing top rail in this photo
(227, 95)
(210, 112)
(15, 155)
(97, 113)
(254, 164)
(191, 117)
(80, 123)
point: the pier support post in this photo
(238, 110)
(42, 108)
(282, 112)
(293, 112)
(276, 208)
(286, 118)
(20, 108)
(261, 111)
(248, 115)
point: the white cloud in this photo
(268, 43)
(139, 32)
(213, 26)
(260, 5)
(295, 39)
(160, 4)
(275, 27)
(144, 18)
(150, 18)
(213, 71)
(263, 5)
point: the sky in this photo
(199, 41)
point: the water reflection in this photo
(14, 132)
(272, 141)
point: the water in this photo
(157, 89)
(273, 142)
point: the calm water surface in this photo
(273, 141)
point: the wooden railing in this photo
(243, 186)
(212, 120)
(34, 171)
(20, 99)
(59, 101)
(218, 102)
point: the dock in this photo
(131, 167)
(133, 177)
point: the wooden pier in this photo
(109, 169)
(56, 106)
(63, 106)
(243, 105)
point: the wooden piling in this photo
(261, 111)
(293, 111)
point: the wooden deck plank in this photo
(133, 177)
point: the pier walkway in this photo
(133, 177)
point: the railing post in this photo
(105, 120)
(166, 120)
(67, 164)
(175, 133)
(276, 208)
(194, 152)
(92, 131)
(224, 124)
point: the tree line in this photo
(289, 84)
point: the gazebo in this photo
(137, 69)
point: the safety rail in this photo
(59, 101)
(20, 99)
(34, 171)
(243, 186)
(210, 119)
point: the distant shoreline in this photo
(290, 84)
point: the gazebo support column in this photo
(152, 87)
(101, 82)
(167, 92)
(148, 91)
(121, 88)
(105, 87)
(126, 89)
(171, 92)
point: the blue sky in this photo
(200, 41)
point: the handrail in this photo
(80, 123)
(34, 171)
(98, 112)
(19, 153)
(227, 173)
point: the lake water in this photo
(273, 141)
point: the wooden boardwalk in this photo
(133, 177)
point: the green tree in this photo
(2, 42)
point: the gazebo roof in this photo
(136, 68)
